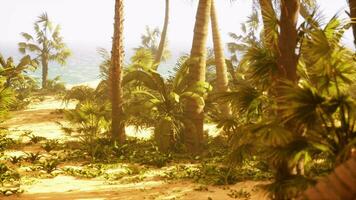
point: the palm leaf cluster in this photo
(13, 80)
(280, 122)
(159, 102)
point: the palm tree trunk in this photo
(118, 126)
(44, 71)
(163, 40)
(287, 41)
(193, 111)
(287, 66)
(221, 68)
(352, 4)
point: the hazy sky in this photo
(91, 21)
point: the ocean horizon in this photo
(83, 65)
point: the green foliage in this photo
(90, 120)
(5, 142)
(14, 76)
(162, 102)
(55, 86)
(34, 139)
(287, 124)
(7, 175)
(47, 45)
(239, 194)
(50, 145)
(150, 42)
(15, 159)
(48, 34)
(89, 171)
(205, 173)
(142, 152)
(33, 157)
(80, 93)
(49, 164)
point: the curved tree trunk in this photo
(222, 80)
(352, 4)
(163, 40)
(193, 111)
(287, 41)
(118, 126)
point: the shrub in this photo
(55, 86)
(33, 157)
(143, 152)
(50, 145)
(8, 175)
(15, 159)
(49, 165)
(34, 139)
(204, 173)
(5, 142)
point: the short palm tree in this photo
(159, 102)
(47, 45)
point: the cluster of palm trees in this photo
(286, 96)
(193, 110)
(289, 96)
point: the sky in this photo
(90, 22)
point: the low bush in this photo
(8, 175)
(50, 145)
(32, 157)
(49, 165)
(15, 159)
(34, 139)
(142, 152)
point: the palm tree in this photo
(163, 40)
(221, 69)
(352, 5)
(193, 110)
(48, 45)
(118, 127)
(287, 40)
(158, 102)
(149, 42)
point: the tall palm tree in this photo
(48, 45)
(352, 5)
(221, 69)
(193, 110)
(287, 40)
(118, 127)
(163, 40)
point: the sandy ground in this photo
(40, 118)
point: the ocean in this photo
(83, 65)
